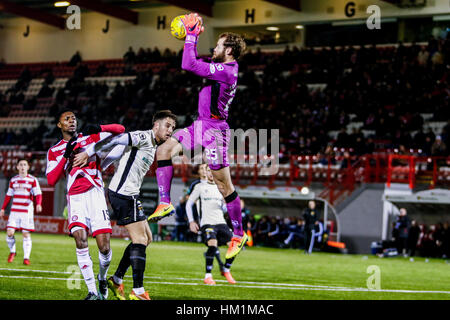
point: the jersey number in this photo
(211, 154)
(105, 214)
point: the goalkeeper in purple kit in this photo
(210, 130)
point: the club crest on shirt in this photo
(219, 67)
(74, 218)
(142, 136)
(212, 69)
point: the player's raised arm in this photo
(97, 128)
(190, 62)
(106, 136)
(56, 165)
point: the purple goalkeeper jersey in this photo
(217, 95)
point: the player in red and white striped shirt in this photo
(23, 188)
(86, 203)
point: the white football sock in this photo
(11, 241)
(140, 290)
(85, 264)
(27, 244)
(104, 262)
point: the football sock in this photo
(124, 264)
(85, 264)
(138, 260)
(209, 258)
(140, 290)
(228, 264)
(27, 244)
(219, 261)
(104, 262)
(11, 241)
(164, 175)
(234, 212)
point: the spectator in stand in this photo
(129, 56)
(413, 238)
(296, 234)
(181, 221)
(274, 233)
(101, 70)
(75, 60)
(402, 226)
(439, 149)
(422, 57)
(262, 229)
(45, 91)
(343, 140)
(429, 242)
(446, 241)
(430, 137)
(439, 240)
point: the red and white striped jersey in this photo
(22, 190)
(79, 180)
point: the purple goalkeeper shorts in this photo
(212, 135)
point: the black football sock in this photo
(138, 260)
(219, 261)
(124, 263)
(229, 262)
(209, 257)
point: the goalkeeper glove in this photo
(70, 146)
(194, 26)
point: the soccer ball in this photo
(177, 28)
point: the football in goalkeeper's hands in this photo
(177, 28)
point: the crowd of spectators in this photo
(412, 238)
(387, 89)
(264, 231)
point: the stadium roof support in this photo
(113, 11)
(33, 14)
(290, 4)
(200, 6)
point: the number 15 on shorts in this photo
(105, 214)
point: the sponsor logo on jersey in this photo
(219, 67)
(212, 69)
(146, 160)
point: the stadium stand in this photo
(346, 115)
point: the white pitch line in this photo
(189, 279)
(311, 288)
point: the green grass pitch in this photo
(175, 271)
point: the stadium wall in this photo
(361, 218)
(46, 43)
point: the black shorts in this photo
(221, 232)
(126, 209)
